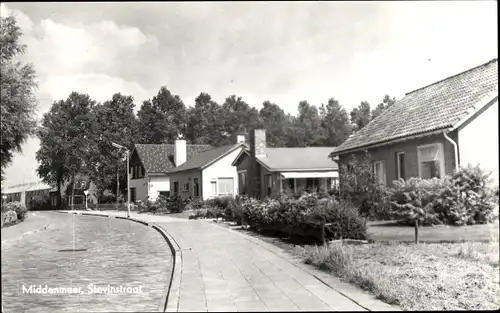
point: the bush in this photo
(176, 204)
(464, 198)
(18, 207)
(359, 185)
(307, 213)
(41, 202)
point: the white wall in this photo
(157, 184)
(220, 169)
(478, 142)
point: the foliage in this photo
(306, 128)
(204, 120)
(162, 119)
(360, 185)
(66, 140)
(18, 207)
(335, 122)
(17, 93)
(464, 198)
(276, 123)
(306, 213)
(414, 199)
(114, 122)
(173, 204)
(40, 202)
(361, 115)
(385, 104)
(219, 207)
(236, 115)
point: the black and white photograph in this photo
(249, 156)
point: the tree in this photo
(237, 115)
(306, 127)
(114, 122)
(66, 140)
(386, 103)
(276, 123)
(162, 119)
(361, 115)
(17, 87)
(335, 123)
(204, 121)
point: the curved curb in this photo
(174, 288)
(27, 233)
(168, 303)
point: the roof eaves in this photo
(319, 169)
(392, 140)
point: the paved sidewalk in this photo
(224, 270)
(34, 223)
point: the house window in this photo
(430, 161)
(132, 194)
(186, 186)
(164, 193)
(176, 187)
(213, 185)
(242, 181)
(196, 187)
(226, 186)
(269, 184)
(400, 163)
(379, 170)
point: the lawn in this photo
(435, 276)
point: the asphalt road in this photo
(105, 264)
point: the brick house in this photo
(265, 171)
(435, 129)
(150, 164)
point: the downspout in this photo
(455, 148)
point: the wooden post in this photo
(323, 232)
(416, 231)
(117, 188)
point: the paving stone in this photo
(115, 255)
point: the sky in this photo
(284, 52)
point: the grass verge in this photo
(437, 276)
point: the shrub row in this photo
(174, 204)
(464, 198)
(461, 199)
(18, 207)
(303, 215)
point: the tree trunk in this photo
(73, 193)
(58, 195)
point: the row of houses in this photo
(430, 132)
(247, 167)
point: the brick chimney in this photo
(240, 138)
(180, 152)
(258, 142)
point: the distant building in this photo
(27, 192)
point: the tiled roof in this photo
(205, 158)
(303, 158)
(159, 158)
(437, 106)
